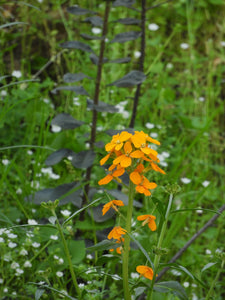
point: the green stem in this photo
(159, 245)
(127, 295)
(66, 249)
(208, 296)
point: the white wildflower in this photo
(27, 264)
(185, 180)
(186, 284)
(12, 245)
(96, 30)
(137, 54)
(65, 213)
(23, 252)
(54, 237)
(184, 46)
(149, 125)
(201, 99)
(153, 27)
(56, 128)
(19, 272)
(14, 265)
(208, 252)
(36, 245)
(154, 135)
(5, 162)
(17, 73)
(59, 274)
(222, 43)
(32, 222)
(205, 183)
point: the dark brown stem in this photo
(192, 239)
(141, 63)
(97, 91)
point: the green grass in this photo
(183, 97)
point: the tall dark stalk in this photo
(141, 63)
(97, 92)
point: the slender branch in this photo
(141, 63)
(193, 238)
(97, 91)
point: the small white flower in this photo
(23, 252)
(29, 152)
(47, 101)
(33, 210)
(154, 135)
(5, 290)
(59, 274)
(70, 157)
(149, 125)
(17, 73)
(27, 264)
(54, 237)
(194, 297)
(1, 280)
(61, 261)
(54, 176)
(14, 265)
(3, 93)
(65, 213)
(125, 114)
(137, 54)
(7, 257)
(185, 180)
(2, 240)
(194, 285)
(205, 183)
(184, 46)
(56, 128)
(153, 27)
(222, 43)
(169, 66)
(163, 163)
(29, 234)
(32, 222)
(12, 236)
(12, 245)
(19, 272)
(40, 1)
(201, 99)
(186, 284)
(19, 191)
(35, 184)
(207, 251)
(14, 293)
(96, 30)
(199, 211)
(56, 257)
(89, 256)
(134, 275)
(36, 245)
(165, 154)
(5, 162)
(81, 285)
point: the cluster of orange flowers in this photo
(129, 152)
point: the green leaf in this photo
(187, 209)
(159, 206)
(173, 287)
(12, 24)
(209, 265)
(39, 292)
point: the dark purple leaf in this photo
(83, 159)
(76, 45)
(126, 36)
(57, 156)
(76, 10)
(66, 121)
(94, 20)
(128, 21)
(132, 78)
(79, 90)
(91, 37)
(68, 77)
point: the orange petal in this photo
(152, 224)
(104, 159)
(118, 159)
(142, 217)
(127, 147)
(126, 162)
(106, 179)
(118, 202)
(118, 172)
(137, 154)
(124, 136)
(135, 177)
(156, 168)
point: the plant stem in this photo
(66, 249)
(208, 296)
(159, 245)
(127, 295)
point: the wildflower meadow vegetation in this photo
(112, 149)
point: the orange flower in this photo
(148, 219)
(117, 141)
(116, 233)
(143, 184)
(112, 204)
(145, 271)
(156, 168)
(113, 175)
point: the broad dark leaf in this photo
(94, 58)
(69, 77)
(112, 132)
(121, 196)
(132, 78)
(76, 10)
(94, 20)
(79, 90)
(120, 60)
(66, 121)
(76, 45)
(126, 3)
(172, 286)
(66, 193)
(101, 107)
(91, 37)
(57, 156)
(96, 212)
(128, 21)
(83, 159)
(126, 36)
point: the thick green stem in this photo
(159, 245)
(208, 296)
(127, 295)
(66, 249)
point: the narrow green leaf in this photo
(204, 209)
(172, 286)
(104, 245)
(209, 265)
(12, 24)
